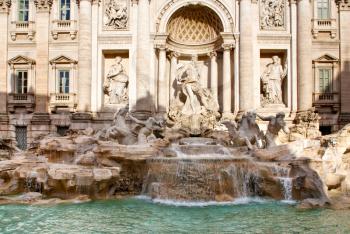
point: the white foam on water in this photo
(238, 201)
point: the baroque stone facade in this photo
(73, 63)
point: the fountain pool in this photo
(135, 215)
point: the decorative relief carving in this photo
(5, 5)
(116, 14)
(43, 5)
(116, 84)
(272, 14)
(272, 82)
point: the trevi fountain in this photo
(188, 170)
(174, 116)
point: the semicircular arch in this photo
(172, 6)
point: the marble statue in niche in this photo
(194, 109)
(272, 14)
(272, 79)
(115, 14)
(116, 83)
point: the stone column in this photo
(304, 42)
(42, 23)
(214, 74)
(144, 97)
(226, 108)
(84, 61)
(293, 57)
(163, 96)
(4, 16)
(246, 93)
(173, 68)
(94, 56)
(344, 30)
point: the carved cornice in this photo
(174, 54)
(227, 46)
(213, 54)
(5, 5)
(343, 4)
(43, 5)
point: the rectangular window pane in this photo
(325, 80)
(65, 9)
(23, 10)
(323, 9)
(63, 82)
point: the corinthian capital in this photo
(343, 4)
(5, 5)
(43, 5)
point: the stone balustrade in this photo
(63, 100)
(26, 28)
(324, 25)
(64, 27)
(23, 100)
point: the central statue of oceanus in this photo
(194, 108)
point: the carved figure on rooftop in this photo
(116, 14)
(116, 83)
(272, 79)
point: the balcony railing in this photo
(21, 100)
(26, 28)
(326, 98)
(64, 27)
(63, 100)
(324, 25)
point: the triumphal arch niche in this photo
(195, 46)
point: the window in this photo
(23, 10)
(21, 82)
(63, 81)
(21, 137)
(323, 9)
(64, 9)
(325, 80)
(62, 130)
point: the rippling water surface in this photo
(142, 216)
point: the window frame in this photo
(23, 87)
(324, 10)
(61, 10)
(321, 80)
(59, 86)
(23, 10)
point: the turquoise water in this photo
(142, 216)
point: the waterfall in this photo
(287, 184)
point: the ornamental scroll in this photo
(116, 14)
(272, 14)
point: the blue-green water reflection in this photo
(140, 216)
